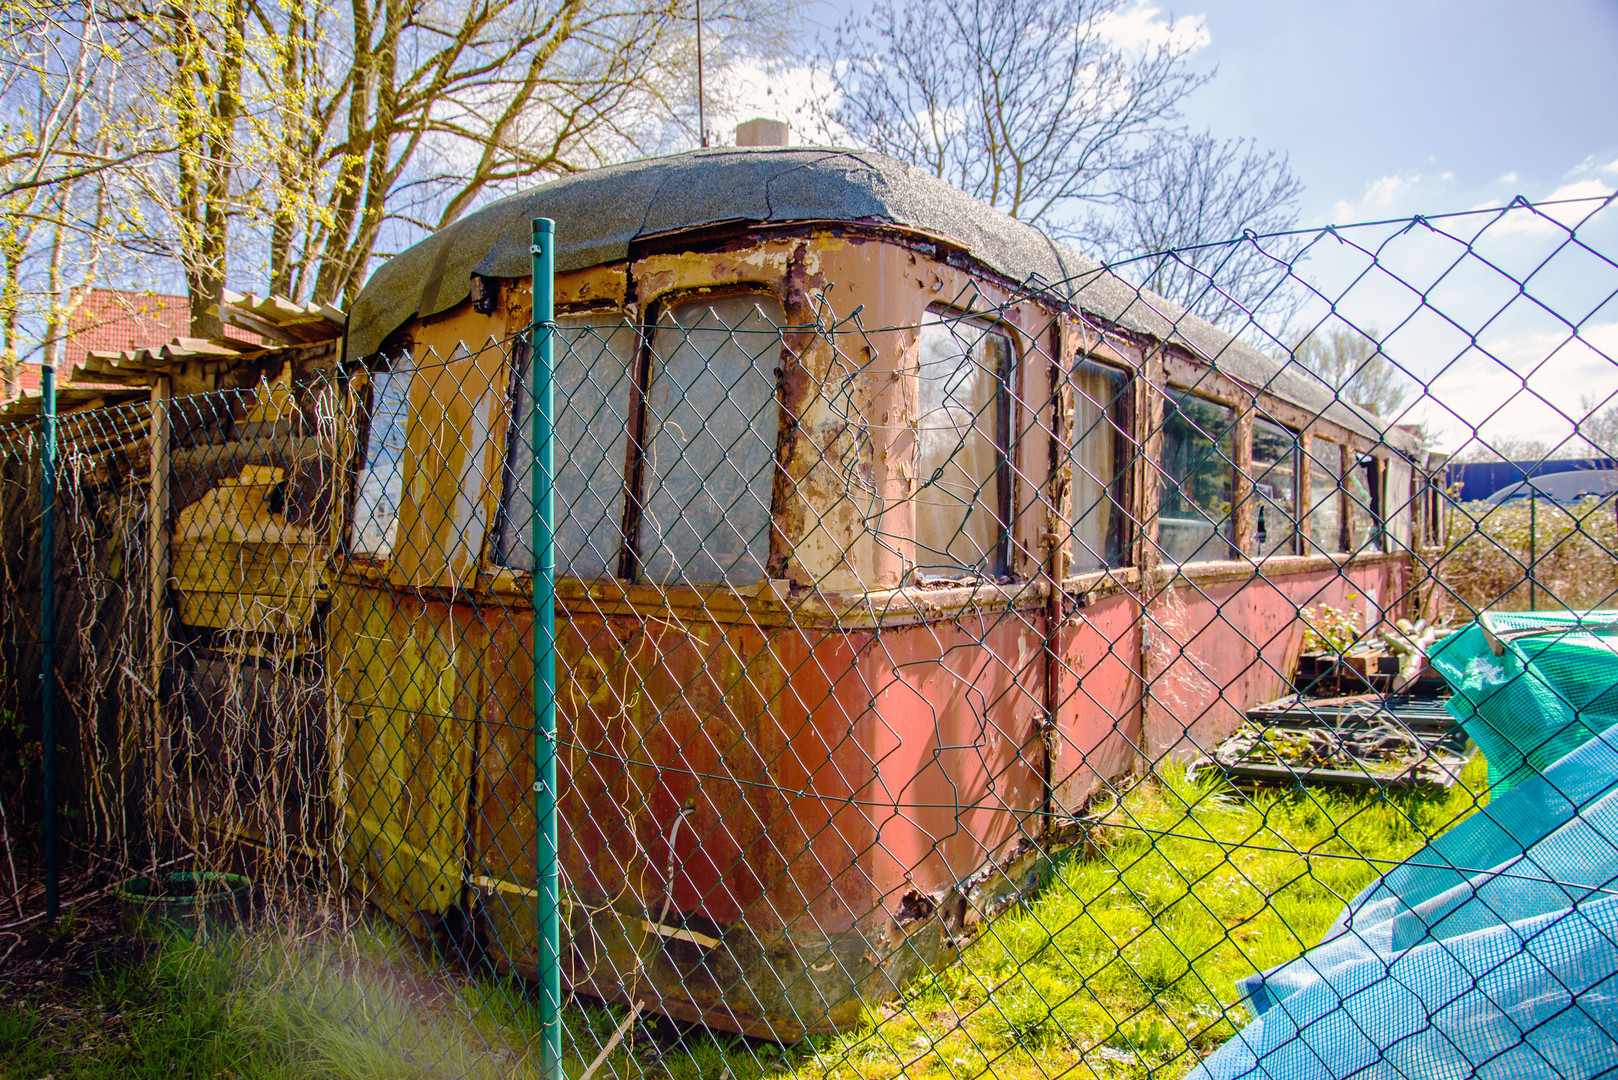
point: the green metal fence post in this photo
(1533, 538)
(47, 629)
(547, 851)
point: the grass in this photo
(1124, 965)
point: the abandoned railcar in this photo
(866, 552)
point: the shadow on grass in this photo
(1124, 964)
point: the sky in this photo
(1392, 108)
(1388, 108)
(1403, 106)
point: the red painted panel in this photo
(746, 731)
(827, 775)
(954, 742)
(1217, 650)
(1098, 700)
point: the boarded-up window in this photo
(711, 426)
(593, 357)
(1199, 450)
(1275, 488)
(1100, 458)
(1325, 509)
(961, 418)
(380, 483)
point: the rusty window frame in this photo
(1323, 511)
(511, 548)
(1222, 444)
(1291, 507)
(632, 560)
(1118, 414)
(396, 375)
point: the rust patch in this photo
(913, 907)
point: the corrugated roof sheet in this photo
(119, 320)
(110, 376)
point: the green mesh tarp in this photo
(1530, 687)
(1493, 951)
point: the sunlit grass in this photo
(1127, 964)
(1124, 964)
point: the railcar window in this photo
(1325, 509)
(711, 425)
(1363, 508)
(380, 483)
(1194, 493)
(1398, 502)
(1101, 457)
(961, 421)
(594, 357)
(1275, 488)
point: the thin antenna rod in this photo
(702, 119)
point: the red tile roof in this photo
(119, 320)
(112, 320)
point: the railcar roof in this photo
(600, 213)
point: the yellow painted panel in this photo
(406, 693)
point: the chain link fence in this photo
(1048, 684)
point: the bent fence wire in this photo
(1048, 686)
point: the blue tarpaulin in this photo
(1493, 951)
(1479, 479)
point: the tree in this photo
(1181, 208)
(1598, 425)
(66, 153)
(1034, 106)
(1354, 367)
(311, 138)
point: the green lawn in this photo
(1123, 965)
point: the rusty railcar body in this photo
(802, 763)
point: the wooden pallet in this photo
(1439, 751)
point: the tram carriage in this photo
(877, 512)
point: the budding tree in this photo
(1064, 114)
(1354, 366)
(1175, 228)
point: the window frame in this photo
(1003, 439)
(1295, 511)
(632, 559)
(1119, 491)
(521, 358)
(1172, 394)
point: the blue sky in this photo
(1384, 107)
(1392, 108)
(1401, 106)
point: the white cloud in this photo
(1523, 387)
(798, 94)
(1579, 199)
(1380, 195)
(1143, 27)
(1508, 178)
(1582, 189)
(1594, 164)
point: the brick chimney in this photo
(762, 132)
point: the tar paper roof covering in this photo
(600, 213)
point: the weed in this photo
(1128, 959)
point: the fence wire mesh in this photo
(963, 678)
